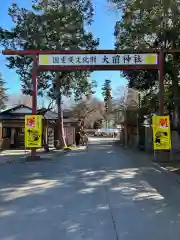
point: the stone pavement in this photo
(103, 193)
(15, 156)
(11, 156)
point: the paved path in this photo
(99, 194)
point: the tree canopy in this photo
(50, 25)
(153, 25)
(84, 110)
(3, 93)
(107, 94)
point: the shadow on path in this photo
(101, 193)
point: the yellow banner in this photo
(33, 131)
(161, 132)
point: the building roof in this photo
(21, 110)
(17, 109)
(66, 112)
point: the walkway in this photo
(99, 194)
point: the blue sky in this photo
(103, 28)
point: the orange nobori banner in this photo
(161, 132)
(33, 131)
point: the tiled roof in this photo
(21, 110)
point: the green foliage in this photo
(153, 25)
(85, 7)
(106, 89)
(106, 93)
(50, 26)
(3, 95)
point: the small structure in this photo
(12, 126)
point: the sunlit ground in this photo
(84, 194)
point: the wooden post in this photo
(34, 95)
(163, 155)
(161, 82)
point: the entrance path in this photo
(103, 193)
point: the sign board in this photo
(33, 131)
(102, 130)
(161, 132)
(107, 130)
(97, 59)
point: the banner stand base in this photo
(162, 156)
(33, 158)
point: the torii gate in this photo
(72, 60)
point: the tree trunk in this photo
(176, 93)
(60, 126)
(176, 96)
(45, 136)
(175, 85)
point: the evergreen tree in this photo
(154, 25)
(106, 93)
(3, 95)
(51, 25)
